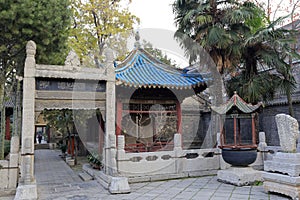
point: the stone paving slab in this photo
(56, 181)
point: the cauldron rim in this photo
(239, 156)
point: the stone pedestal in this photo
(119, 185)
(282, 174)
(239, 176)
(26, 191)
(283, 184)
(70, 161)
(285, 163)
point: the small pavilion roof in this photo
(140, 69)
(239, 103)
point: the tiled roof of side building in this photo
(140, 69)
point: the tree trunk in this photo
(290, 102)
(288, 92)
(216, 93)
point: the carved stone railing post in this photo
(27, 186)
(121, 147)
(262, 145)
(178, 152)
(177, 141)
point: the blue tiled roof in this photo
(140, 69)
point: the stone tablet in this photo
(288, 129)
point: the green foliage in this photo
(256, 88)
(63, 148)
(218, 26)
(240, 39)
(94, 22)
(45, 22)
(157, 53)
(60, 120)
(258, 183)
(6, 147)
(95, 159)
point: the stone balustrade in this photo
(147, 166)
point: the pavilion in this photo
(149, 94)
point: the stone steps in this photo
(85, 176)
(41, 146)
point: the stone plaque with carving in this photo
(70, 85)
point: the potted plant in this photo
(95, 160)
(63, 149)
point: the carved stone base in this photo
(26, 192)
(282, 184)
(115, 185)
(119, 185)
(239, 176)
(285, 163)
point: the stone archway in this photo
(55, 87)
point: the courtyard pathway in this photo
(56, 181)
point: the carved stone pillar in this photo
(110, 137)
(27, 186)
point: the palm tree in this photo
(215, 25)
(264, 64)
(240, 39)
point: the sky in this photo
(154, 13)
(157, 27)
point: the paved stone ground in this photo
(56, 181)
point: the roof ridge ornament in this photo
(137, 43)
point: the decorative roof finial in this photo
(137, 37)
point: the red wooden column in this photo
(71, 145)
(234, 127)
(7, 128)
(179, 120)
(119, 119)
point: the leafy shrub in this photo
(63, 148)
(95, 160)
(6, 147)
